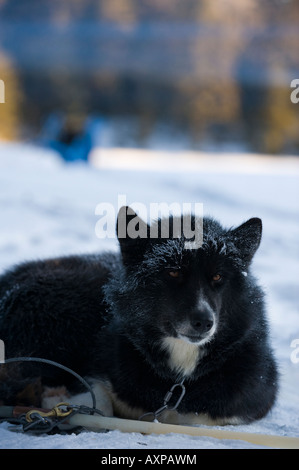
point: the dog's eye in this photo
(217, 277)
(174, 274)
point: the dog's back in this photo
(53, 309)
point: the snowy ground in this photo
(47, 209)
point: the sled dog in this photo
(137, 322)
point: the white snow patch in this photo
(48, 209)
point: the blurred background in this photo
(204, 75)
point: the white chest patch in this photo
(183, 356)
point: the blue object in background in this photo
(69, 136)
(73, 147)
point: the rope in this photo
(56, 364)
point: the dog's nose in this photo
(202, 322)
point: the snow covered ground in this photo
(47, 208)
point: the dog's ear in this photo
(247, 238)
(132, 233)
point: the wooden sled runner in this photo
(93, 422)
(127, 425)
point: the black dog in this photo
(140, 322)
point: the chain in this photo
(40, 421)
(166, 400)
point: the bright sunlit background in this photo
(198, 74)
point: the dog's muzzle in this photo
(200, 325)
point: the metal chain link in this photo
(166, 400)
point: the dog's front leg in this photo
(52, 396)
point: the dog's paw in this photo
(51, 396)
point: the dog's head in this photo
(166, 290)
